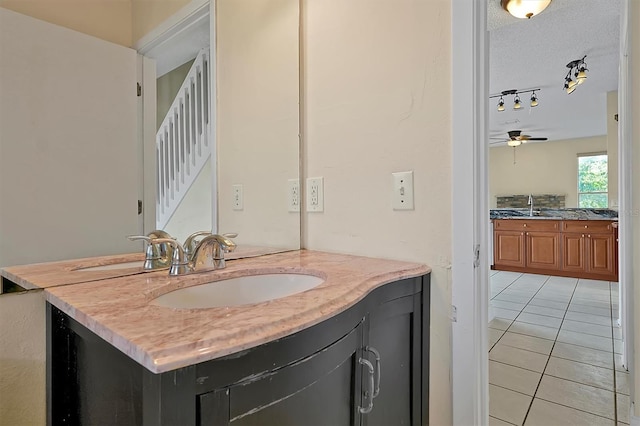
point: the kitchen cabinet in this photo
(367, 365)
(570, 248)
(530, 244)
(591, 248)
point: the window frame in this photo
(579, 193)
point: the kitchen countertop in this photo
(555, 214)
(163, 339)
(53, 274)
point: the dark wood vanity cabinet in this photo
(365, 366)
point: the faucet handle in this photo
(191, 242)
(156, 256)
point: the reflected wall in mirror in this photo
(255, 106)
(257, 64)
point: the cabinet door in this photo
(395, 332)
(601, 257)
(509, 248)
(543, 250)
(573, 253)
(322, 389)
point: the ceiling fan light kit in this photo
(577, 69)
(524, 9)
(517, 102)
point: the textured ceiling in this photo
(533, 53)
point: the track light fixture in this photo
(577, 69)
(517, 102)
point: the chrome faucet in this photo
(530, 203)
(158, 255)
(208, 254)
(192, 242)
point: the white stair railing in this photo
(183, 140)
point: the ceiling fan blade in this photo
(537, 139)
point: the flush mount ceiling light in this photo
(577, 69)
(517, 102)
(524, 9)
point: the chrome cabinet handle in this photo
(375, 353)
(369, 392)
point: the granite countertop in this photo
(53, 274)
(555, 214)
(163, 339)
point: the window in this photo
(593, 181)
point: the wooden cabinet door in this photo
(395, 333)
(322, 389)
(601, 254)
(509, 248)
(543, 250)
(573, 252)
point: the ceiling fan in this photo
(516, 138)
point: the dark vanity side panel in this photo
(88, 380)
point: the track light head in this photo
(517, 104)
(501, 104)
(534, 100)
(580, 74)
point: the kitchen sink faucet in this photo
(530, 203)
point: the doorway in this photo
(470, 52)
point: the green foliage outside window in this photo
(593, 181)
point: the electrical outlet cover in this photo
(315, 194)
(293, 194)
(238, 198)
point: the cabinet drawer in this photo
(527, 225)
(592, 226)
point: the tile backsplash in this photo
(552, 201)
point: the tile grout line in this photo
(563, 319)
(613, 350)
(550, 352)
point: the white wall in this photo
(541, 168)
(634, 91)
(376, 100)
(194, 212)
(106, 19)
(167, 87)
(612, 148)
(257, 113)
(22, 358)
(68, 166)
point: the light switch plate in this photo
(402, 190)
(315, 194)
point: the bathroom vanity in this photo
(352, 350)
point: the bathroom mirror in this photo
(256, 125)
(258, 120)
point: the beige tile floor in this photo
(555, 352)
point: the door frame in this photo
(470, 215)
(470, 58)
(157, 42)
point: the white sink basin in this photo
(238, 291)
(114, 266)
